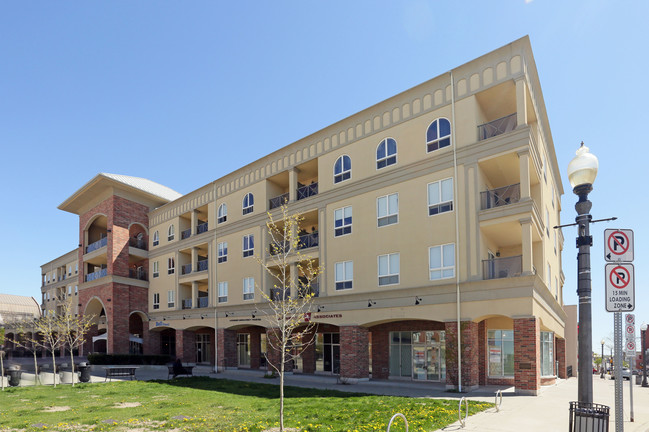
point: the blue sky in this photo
(88, 87)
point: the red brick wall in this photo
(470, 349)
(227, 351)
(527, 354)
(354, 352)
(560, 345)
(186, 346)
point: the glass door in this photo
(202, 348)
(243, 349)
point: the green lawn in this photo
(213, 405)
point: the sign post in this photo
(629, 320)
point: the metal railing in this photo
(308, 241)
(186, 234)
(313, 288)
(96, 275)
(497, 127)
(138, 243)
(186, 269)
(97, 245)
(201, 265)
(279, 293)
(187, 304)
(505, 267)
(500, 196)
(203, 302)
(139, 274)
(201, 228)
(278, 201)
(307, 191)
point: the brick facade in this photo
(527, 373)
(227, 348)
(560, 346)
(354, 352)
(470, 348)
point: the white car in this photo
(626, 373)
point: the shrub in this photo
(127, 359)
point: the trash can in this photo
(14, 377)
(85, 372)
(588, 417)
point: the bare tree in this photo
(52, 339)
(73, 330)
(291, 298)
(2, 354)
(25, 337)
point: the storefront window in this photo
(547, 353)
(501, 353)
(419, 355)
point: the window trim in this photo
(156, 300)
(222, 213)
(156, 269)
(345, 229)
(250, 293)
(502, 358)
(442, 268)
(250, 251)
(171, 266)
(346, 283)
(222, 257)
(247, 209)
(388, 275)
(171, 233)
(439, 138)
(387, 156)
(171, 299)
(222, 298)
(439, 207)
(388, 214)
(343, 174)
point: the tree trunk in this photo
(2, 367)
(37, 380)
(281, 389)
(72, 364)
(53, 368)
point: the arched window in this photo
(248, 203)
(438, 135)
(172, 233)
(156, 238)
(222, 214)
(342, 169)
(386, 153)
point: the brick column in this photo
(527, 374)
(150, 341)
(470, 357)
(186, 346)
(380, 353)
(255, 350)
(354, 352)
(227, 348)
(561, 357)
(482, 353)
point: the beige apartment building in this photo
(430, 211)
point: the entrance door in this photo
(243, 350)
(203, 348)
(328, 352)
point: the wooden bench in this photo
(185, 370)
(114, 372)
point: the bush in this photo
(127, 359)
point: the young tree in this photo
(291, 298)
(73, 330)
(48, 327)
(25, 337)
(2, 354)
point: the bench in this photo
(185, 370)
(114, 372)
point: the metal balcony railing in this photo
(138, 243)
(201, 265)
(187, 304)
(500, 197)
(203, 302)
(279, 293)
(96, 275)
(201, 228)
(278, 201)
(97, 245)
(497, 127)
(313, 288)
(499, 268)
(307, 191)
(308, 241)
(186, 269)
(186, 233)
(139, 274)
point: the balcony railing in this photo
(187, 304)
(279, 293)
(139, 274)
(277, 201)
(96, 275)
(201, 228)
(307, 191)
(313, 288)
(500, 197)
(201, 266)
(499, 268)
(186, 269)
(497, 127)
(138, 243)
(308, 241)
(97, 245)
(186, 233)
(203, 302)
(277, 248)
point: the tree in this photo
(2, 354)
(292, 295)
(73, 330)
(52, 339)
(25, 337)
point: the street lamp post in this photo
(643, 331)
(582, 171)
(603, 365)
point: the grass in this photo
(203, 404)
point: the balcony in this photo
(497, 127)
(203, 302)
(279, 294)
(96, 275)
(201, 228)
(138, 243)
(186, 234)
(187, 304)
(201, 266)
(500, 197)
(307, 191)
(278, 201)
(308, 241)
(138, 274)
(186, 269)
(97, 245)
(499, 268)
(313, 288)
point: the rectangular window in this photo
(156, 301)
(156, 269)
(248, 245)
(76, 290)
(248, 288)
(343, 221)
(70, 290)
(549, 279)
(344, 275)
(171, 266)
(171, 298)
(222, 251)
(440, 196)
(223, 292)
(389, 269)
(500, 352)
(76, 268)
(441, 261)
(69, 270)
(547, 353)
(387, 209)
